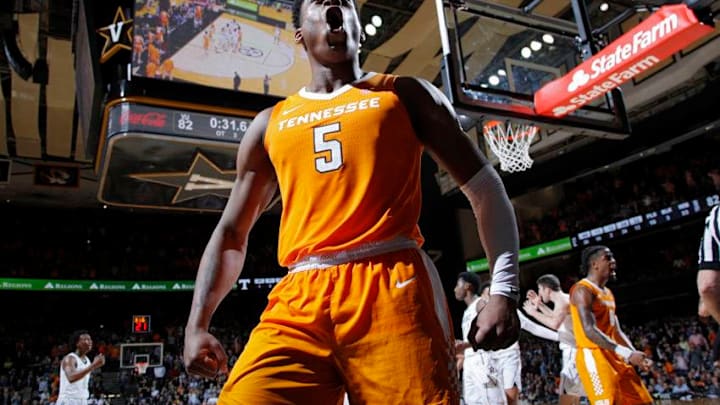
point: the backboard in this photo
(497, 55)
(133, 353)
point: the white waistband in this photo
(326, 260)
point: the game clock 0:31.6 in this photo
(134, 117)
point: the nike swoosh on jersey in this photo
(403, 284)
(289, 110)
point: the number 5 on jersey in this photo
(323, 164)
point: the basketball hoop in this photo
(511, 144)
(141, 367)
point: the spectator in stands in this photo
(680, 388)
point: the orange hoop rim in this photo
(142, 367)
(524, 130)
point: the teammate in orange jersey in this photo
(153, 54)
(361, 310)
(151, 69)
(166, 69)
(206, 38)
(605, 355)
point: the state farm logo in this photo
(665, 32)
(625, 49)
(561, 110)
(579, 79)
(148, 119)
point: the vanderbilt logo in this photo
(200, 182)
(202, 178)
(118, 35)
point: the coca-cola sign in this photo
(148, 119)
(128, 117)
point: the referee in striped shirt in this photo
(708, 279)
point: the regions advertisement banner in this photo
(528, 253)
(38, 284)
(663, 33)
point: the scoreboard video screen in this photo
(645, 221)
(238, 45)
(161, 154)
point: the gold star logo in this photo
(203, 178)
(114, 38)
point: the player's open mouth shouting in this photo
(336, 32)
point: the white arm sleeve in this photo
(536, 329)
(497, 229)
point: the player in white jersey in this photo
(500, 370)
(558, 318)
(75, 370)
(480, 382)
(506, 363)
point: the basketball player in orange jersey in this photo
(605, 355)
(153, 54)
(206, 37)
(151, 69)
(361, 310)
(166, 69)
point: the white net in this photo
(510, 143)
(141, 368)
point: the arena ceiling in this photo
(38, 124)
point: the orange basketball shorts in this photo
(608, 380)
(376, 328)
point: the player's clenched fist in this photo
(496, 326)
(203, 354)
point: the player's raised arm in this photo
(224, 255)
(536, 329)
(438, 128)
(552, 318)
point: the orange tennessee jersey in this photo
(603, 307)
(167, 66)
(348, 167)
